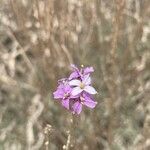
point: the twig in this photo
(47, 130)
(70, 140)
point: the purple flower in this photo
(84, 99)
(79, 73)
(76, 91)
(80, 86)
(63, 92)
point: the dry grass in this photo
(39, 39)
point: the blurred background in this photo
(39, 39)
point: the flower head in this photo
(79, 73)
(84, 99)
(76, 91)
(82, 85)
(63, 93)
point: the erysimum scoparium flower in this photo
(76, 90)
(84, 99)
(63, 92)
(82, 86)
(79, 73)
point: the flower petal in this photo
(76, 91)
(75, 82)
(88, 101)
(67, 89)
(77, 107)
(88, 70)
(87, 80)
(90, 90)
(58, 94)
(65, 103)
(74, 75)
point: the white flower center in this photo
(66, 95)
(82, 85)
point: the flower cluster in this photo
(76, 90)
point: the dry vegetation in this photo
(39, 39)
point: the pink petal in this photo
(74, 75)
(87, 80)
(88, 70)
(58, 94)
(75, 82)
(67, 89)
(77, 107)
(89, 102)
(76, 91)
(65, 103)
(90, 90)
